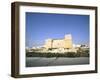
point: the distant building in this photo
(58, 46)
(65, 43)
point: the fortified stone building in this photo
(65, 43)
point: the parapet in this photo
(68, 36)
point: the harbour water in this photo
(54, 61)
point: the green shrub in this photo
(71, 54)
(80, 53)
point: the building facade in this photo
(65, 43)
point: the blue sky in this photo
(41, 26)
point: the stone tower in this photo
(48, 43)
(68, 41)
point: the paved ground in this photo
(38, 61)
